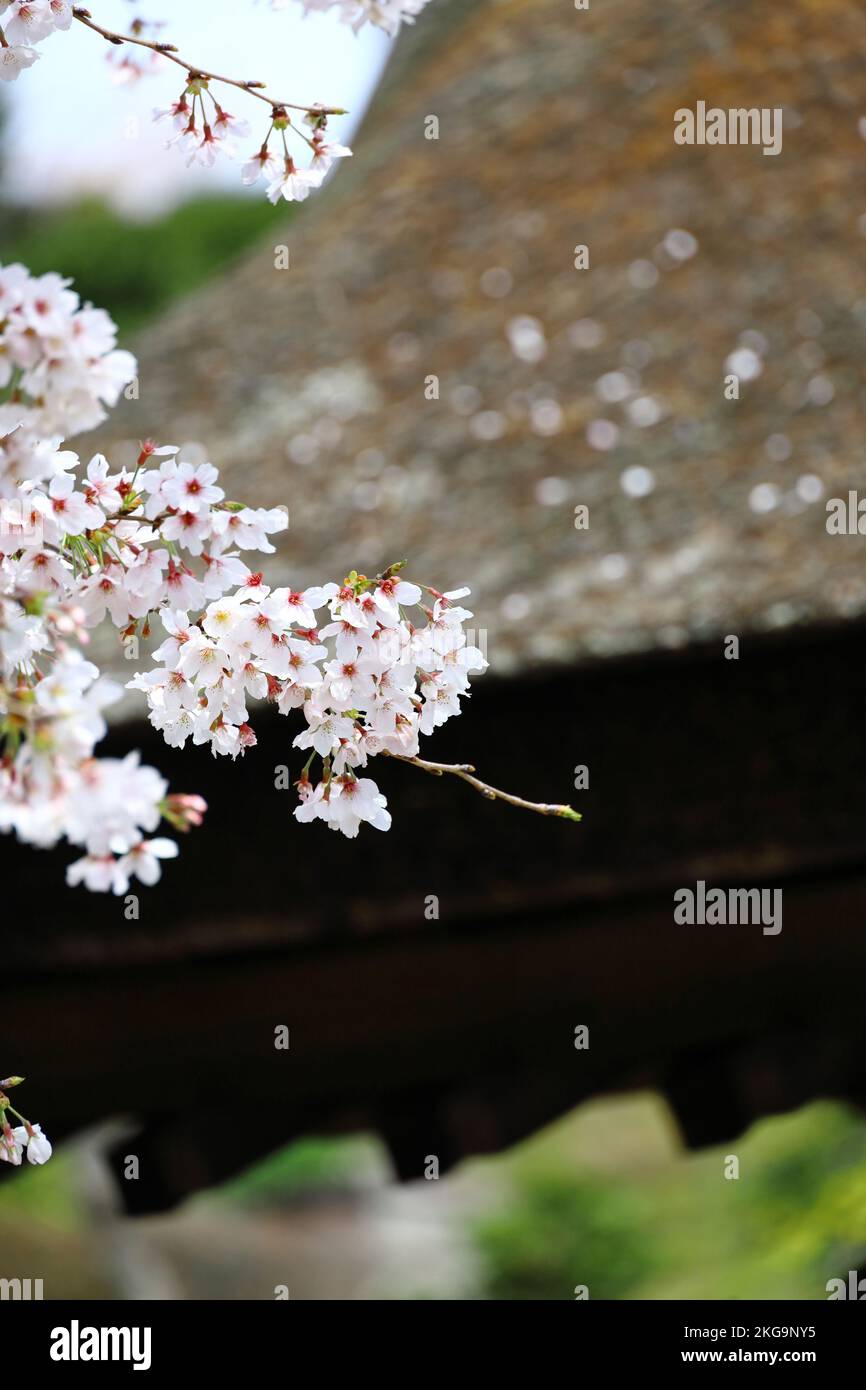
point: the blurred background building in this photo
(437, 375)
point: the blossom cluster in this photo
(370, 664)
(51, 785)
(203, 130)
(59, 369)
(15, 1140)
(368, 681)
(74, 551)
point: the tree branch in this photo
(465, 770)
(168, 50)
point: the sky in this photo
(71, 129)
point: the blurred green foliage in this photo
(563, 1226)
(134, 269)
(43, 1194)
(606, 1198)
(654, 1223)
(308, 1166)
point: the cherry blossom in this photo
(27, 21)
(22, 1138)
(38, 1146)
(14, 59)
(291, 183)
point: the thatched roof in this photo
(454, 257)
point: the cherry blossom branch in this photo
(465, 772)
(168, 50)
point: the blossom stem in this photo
(168, 50)
(465, 772)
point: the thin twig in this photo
(168, 50)
(465, 772)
